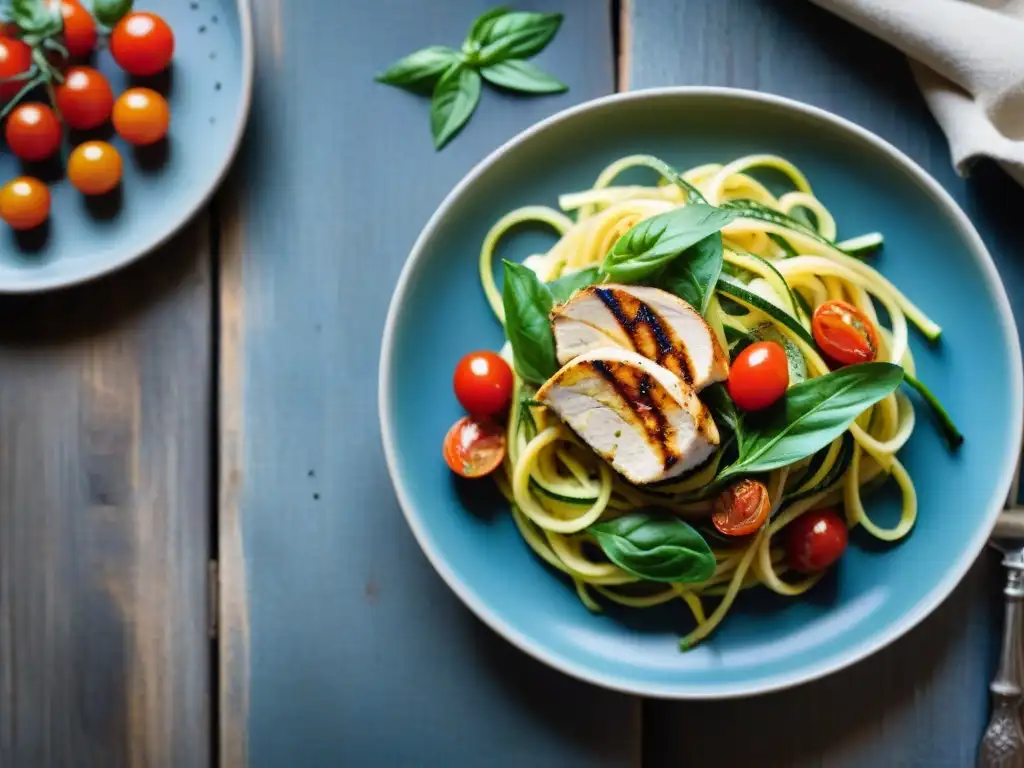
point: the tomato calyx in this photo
(474, 447)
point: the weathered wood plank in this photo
(104, 518)
(357, 653)
(921, 702)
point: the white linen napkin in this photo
(968, 59)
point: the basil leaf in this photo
(693, 276)
(522, 76)
(109, 12)
(419, 71)
(516, 35)
(481, 28)
(564, 287)
(655, 547)
(949, 431)
(527, 303)
(655, 241)
(455, 97)
(811, 415)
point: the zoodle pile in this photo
(809, 413)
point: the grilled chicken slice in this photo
(637, 415)
(656, 324)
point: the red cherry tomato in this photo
(759, 375)
(474, 448)
(33, 132)
(84, 100)
(844, 334)
(142, 44)
(742, 508)
(15, 59)
(483, 383)
(79, 28)
(815, 540)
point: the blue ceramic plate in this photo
(877, 593)
(208, 87)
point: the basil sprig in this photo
(493, 50)
(527, 303)
(656, 547)
(809, 416)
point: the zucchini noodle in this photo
(558, 487)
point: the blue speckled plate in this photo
(208, 87)
(876, 593)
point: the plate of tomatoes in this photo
(119, 120)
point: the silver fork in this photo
(1002, 746)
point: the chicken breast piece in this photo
(634, 413)
(652, 322)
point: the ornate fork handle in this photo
(1002, 746)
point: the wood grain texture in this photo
(357, 653)
(923, 701)
(104, 518)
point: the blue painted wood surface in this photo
(923, 701)
(356, 653)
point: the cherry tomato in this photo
(84, 100)
(741, 508)
(759, 375)
(142, 44)
(483, 383)
(474, 448)
(15, 59)
(79, 28)
(94, 168)
(844, 334)
(141, 116)
(24, 203)
(815, 540)
(33, 132)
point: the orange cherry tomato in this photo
(24, 203)
(844, 334)
(142, 44)
(79, 28)
(141, 116)
(33, 132)
(759, 375)
(84, 99)
(15, 59)
(94, 168)
(474, 448)
(483, 383)
(815, 540)
(742, 508)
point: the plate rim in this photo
(934, 597)
(56, 282)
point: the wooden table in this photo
(203, 425)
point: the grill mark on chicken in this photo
(651, 336)
(645, 399)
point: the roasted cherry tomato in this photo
(24, 203)
(33, 132)
(15, 59)
(815, 540)
(759, 375)
(483, 383)
(84, 100)
(142, 44)
(741, 508)
(844, 334)
(141, 116)
(94, 168)
(474, 448)
(79, 28)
